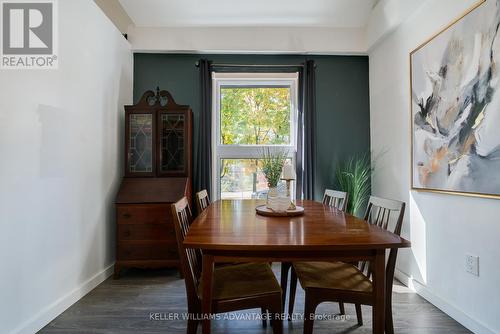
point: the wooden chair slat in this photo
(383, 208)
(202, 201)
(336, 199)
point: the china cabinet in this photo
(158, 147)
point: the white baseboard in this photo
(451, 310)
(49, 313)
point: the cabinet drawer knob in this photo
(127, 215)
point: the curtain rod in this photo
(197, 64)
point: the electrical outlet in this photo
(472, 264)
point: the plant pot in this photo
(276, 201)
(272, 194)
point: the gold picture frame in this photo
(412, 156)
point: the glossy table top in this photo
(234, 225)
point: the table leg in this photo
(206, 303)
(379, 292)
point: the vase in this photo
(272, 195)
(277, 200)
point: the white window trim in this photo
(248, 151)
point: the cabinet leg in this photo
(181, 275)
(116, 272)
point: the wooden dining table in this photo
(232, 231)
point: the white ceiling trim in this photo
(244, 33)
(254, 13)
(270, 40)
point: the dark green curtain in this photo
(203, 178)
(306, 151)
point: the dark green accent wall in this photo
(342, 100)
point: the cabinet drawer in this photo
(143, 214)
(147, 251)
(146, 232)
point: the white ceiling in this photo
(220, 13)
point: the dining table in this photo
(229, 231)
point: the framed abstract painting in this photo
(455, 106)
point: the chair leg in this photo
(389, 324)
(291, 296)
(285, 267)
(194, 314)
(359, 314)
(192, 326)
(309, 310)
(264, 314)
(278, 326)
(277, 312)
(342, 308)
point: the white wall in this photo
(442, 228)
(114, 10)
(386, 16)
(248, 39)
(61, 160)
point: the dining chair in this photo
(336, 199)
(332, 198)
(235, 287)
(202, 200)
(346, 282)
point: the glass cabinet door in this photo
(172, 132)
(140, 145)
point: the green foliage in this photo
(241, 175)
(252, 116)
(272, 164)
(354, 177)
(255, 116)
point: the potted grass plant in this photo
(354, 177)
(273, 161)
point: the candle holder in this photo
(288, 174)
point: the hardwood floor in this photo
(126, 305)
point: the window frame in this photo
(239, 151)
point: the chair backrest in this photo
(378, 213)
(336, 199)
(202, 200)
(190, 258)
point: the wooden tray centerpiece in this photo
(265, 211)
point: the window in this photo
(252, 111)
